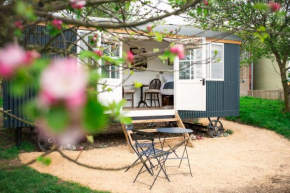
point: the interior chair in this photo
(149, 155)
(153, 91)
(128, 92)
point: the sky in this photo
(176, 20)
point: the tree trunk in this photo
(285, 85)
(286, 88)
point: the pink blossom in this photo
(149, 28)
(12, 57)
(130, 57)
(205, 2)
(63, 81)
(274, 6)
(18, 25)
(99, 53)
(95, 38)
(57, 24)
(71, 135)
(178, 50)
(76, 100)
(78, 4)
(31, 56)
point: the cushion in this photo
(129, 91)
(152, 91)
(168, 77)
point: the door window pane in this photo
(198, 69)
(184, 70)
(111, 70)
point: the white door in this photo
(109, 85)
(189, 79)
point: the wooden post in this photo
(180, 124)
(128, 137)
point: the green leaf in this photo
(87, 54)
(158, 37)
(137, 84)
(199, 10)
(25, 10)
(261, 6)
(215, 52)
(44, 160)
(126, 120)
(94, 118)
(94, 77)
(57, 118)
(18, 32)
(127, 5)
(205, 12)
(156, 50)
(90, 139)
(261, 28)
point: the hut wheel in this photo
(215, 128)
(45, 143)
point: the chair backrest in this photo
(141, 135)
(155, 84)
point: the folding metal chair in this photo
(151, 154)
(139, 150)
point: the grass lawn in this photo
(29, 180)
(264, 113)
(26, 179)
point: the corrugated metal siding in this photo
(222, 97)
(15, 104)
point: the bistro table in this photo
(141, 96)
(176, 130)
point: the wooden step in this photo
(154, 120)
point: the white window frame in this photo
(114, 57)
(192, 64)
(210, 63)
(91, 33)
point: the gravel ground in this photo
(250, 160)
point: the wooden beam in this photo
(154, 120)
(180, 124)
(128, 137)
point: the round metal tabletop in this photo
(173, 130)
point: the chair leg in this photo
(151, 99)
(138, 174)
(158, 99)
(161, 168)
(132, 100)
(131, 165)
(145, 99)
(188, 161)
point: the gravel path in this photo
(251, 160)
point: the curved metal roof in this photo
(191, 31)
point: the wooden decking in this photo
(146, 108)
(176, 119)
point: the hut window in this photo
(215, 67)
(191, 66)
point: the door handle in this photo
(203, 81)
